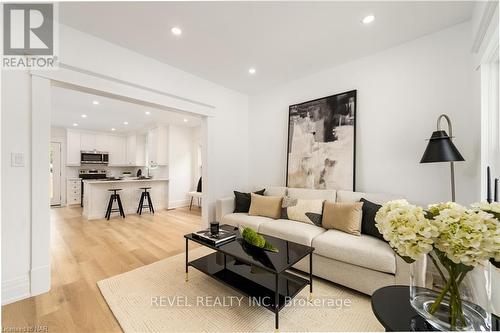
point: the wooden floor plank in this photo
(84, 252)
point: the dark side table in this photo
(391, 305)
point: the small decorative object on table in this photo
(214, 228)
(222, 236)
(251, 237)
(449, 247)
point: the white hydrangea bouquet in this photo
(455, 238)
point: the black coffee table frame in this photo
(273, 290)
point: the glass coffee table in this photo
(234, 262)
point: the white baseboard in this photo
(179, 203)
(40, 280)
(15, 289)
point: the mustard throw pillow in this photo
(267, 206)
(342, 216)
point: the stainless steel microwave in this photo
(94, 157)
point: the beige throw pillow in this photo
(342, 216)
(267, 206)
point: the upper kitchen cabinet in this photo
(136, 150)
(87, 141)
(102, 142)
(73, 148)
(157, 145)
(117, 150)
(115, 145)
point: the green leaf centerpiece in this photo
(253, 238)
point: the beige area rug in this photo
(156, 298)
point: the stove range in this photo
(90, 174)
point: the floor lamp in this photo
(441, 149)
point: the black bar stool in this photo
(145, 195)
(114, 197)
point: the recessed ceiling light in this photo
(185, 120)
(252, 70)
(125, 123)
(75, 124)
(113, 129)
(147, 113)
(176, 31)
(95, 102)
(368, 19)
(84, 116)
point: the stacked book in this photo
(222, 237)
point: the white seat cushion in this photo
(306, 193)
(238, 219)
(365, 251)
(293, 231)
(195, 194)
(378, 198)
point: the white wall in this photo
(228, 158)
(180, 165)
(401, 92)
(16, 185)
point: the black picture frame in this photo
(350, 93)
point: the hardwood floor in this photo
(84, 252)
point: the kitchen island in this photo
(97, 194)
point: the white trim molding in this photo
(486, 18)
(40, 280)
(15, 289)
(99, 84)
(178, 203)
(485, 32)
(40, 201)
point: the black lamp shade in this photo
(441, 149)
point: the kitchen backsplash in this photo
(160, 172)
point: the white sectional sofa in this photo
(363, 263)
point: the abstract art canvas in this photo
(322, 143)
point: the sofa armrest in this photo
(223, 207)
(403, 270)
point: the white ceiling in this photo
(282, 40)
(68, 105)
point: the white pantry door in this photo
(55, 173)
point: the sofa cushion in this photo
(306, 193)
(268, 206)
(238, 219)
(302, 210)
(365, 251)
(368, 227)
(343, 216)
(379, 198)
(293, 231)
(242, 201)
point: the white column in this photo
(40, 201)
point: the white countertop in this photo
(125, 180)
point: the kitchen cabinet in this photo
(73, 191)
(73, 148)
(123, 150)
(102, 142)
(87, 141)
(157, 145)
(136, 150)
(117, 150)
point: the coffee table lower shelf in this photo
(260, 286)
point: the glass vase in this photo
(451, 297)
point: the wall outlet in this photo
(17, 159)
